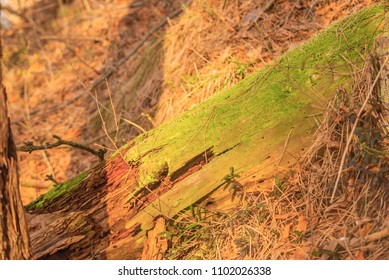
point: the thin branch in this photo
(30, 147)
(113, 111)
(52, 179)
(48, 163)
(134, 124)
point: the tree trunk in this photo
(14, 239)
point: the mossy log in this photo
(259, 127)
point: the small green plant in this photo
(279, 187)
(261, 212)
(187, 236)
(332, 255)
(198, 213)
(165, 234)
(241, 68)
(232, 184)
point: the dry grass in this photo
(212, 46)
(216, 44)
(298, 220)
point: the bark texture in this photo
(14, 239)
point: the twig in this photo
(311, 7)
(69, 38)
(87, 90)
(48, 163)
(103, 124)
(73, 51)
(30, 147)
(134, 124)
(113, 111)
(136, 5)
(52, 179)
(113, 141)
(350, 136)
(268, 6)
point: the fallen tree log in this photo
(255, 130)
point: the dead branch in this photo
(30, 147)
(52, 179)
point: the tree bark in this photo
(14, 239)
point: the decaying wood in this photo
(156, 243)
(84, 223)
(102, 219)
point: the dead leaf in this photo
(301, 253)
(302, 224)
(365, 230)
(351, 181)
(341, 203)
(360, 255)
(285, 232)
(230, 28)
(331, 247)
(373, 168)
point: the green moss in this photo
(300, 83)
(58, 191)
(151, 178)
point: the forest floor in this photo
(101, 72)
(56, 51)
